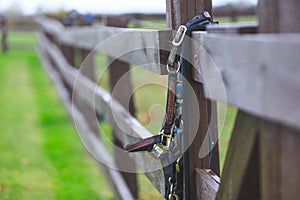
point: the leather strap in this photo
(172, 77)
(143, 145)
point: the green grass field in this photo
(41, 155)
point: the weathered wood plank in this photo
(114, 178)
(238, 160)
(114, 112)
(280, 158)
(254, 73)
(206, 185)
(280, 17)
(279, 145)
(270, 162)
(233, 28)
(213, 127)
(86, 67)
(50, 25)
(135, 46)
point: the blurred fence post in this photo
(3, 23)
(117, 70)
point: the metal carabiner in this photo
(172, 194)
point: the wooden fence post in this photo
(119, 70)
(86, 65)
(179, 12)
(240, 177)
(87, 68)
(279, 145)
(3, 26)
(69, 54)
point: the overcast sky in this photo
(96, 6)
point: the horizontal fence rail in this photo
(150, 45)
(244, 61)
(259, 72)
(104, 103)
(235, 64)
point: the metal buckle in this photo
(157, 150)
(179, 36)
(177, 70)
(168, 141)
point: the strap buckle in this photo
(165, 141)
(160, 142)
(179, 36)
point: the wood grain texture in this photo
(279, 174)
(280, 158)
(279, 148)
(279, 16)
(254, 73)
(238, 159)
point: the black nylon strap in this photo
(197, 23)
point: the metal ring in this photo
(177, 70)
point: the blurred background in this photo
(41, 155)
(30, 7)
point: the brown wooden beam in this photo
(195, 107)
(87, 68)
(279, 16)
(280, 160)
(279, 145)
(213, 126)
(4, 29)
(240, 173)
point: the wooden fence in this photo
(3, 29)
(260, 75)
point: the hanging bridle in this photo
(168, 141)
